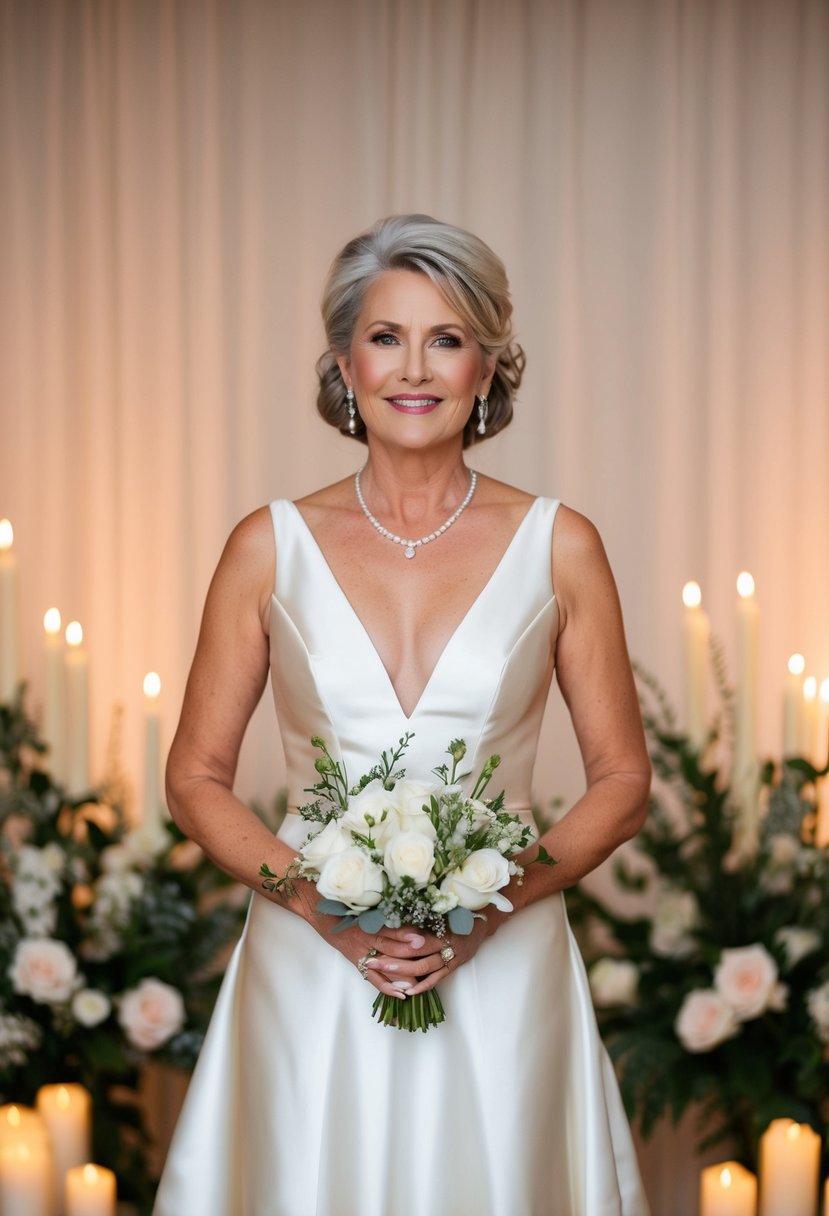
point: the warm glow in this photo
(810, 688)
(51, 621)
(74, 633)
(90, 1175)
(725, 1179)
(745, 585)
(152, 684)
(691, 595)
(797, 665)
(62, 1098)
(824, 691)
(13, 1117)
(6, 534)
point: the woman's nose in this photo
(415, 366)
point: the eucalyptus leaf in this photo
(345, 923)
(461, 921)
(371, 921)
(333, 907)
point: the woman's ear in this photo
(343, 365)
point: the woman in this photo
(412, 597)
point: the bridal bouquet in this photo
(392, 851)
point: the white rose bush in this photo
(712, 988)
(392, 851)
(107, 951)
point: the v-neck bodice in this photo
(489, 685)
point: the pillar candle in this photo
(77, 711)
(789, 1169)
(25, 1180)
(695, 634)
(66, 1112)
(8, 613)
(745, 770)
(53, 696)
(792, 705)
(727, 1189)
(152, 753)
(90, 1191)
(821, 744)
(808, 718)
(25, 1163)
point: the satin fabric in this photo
(301, 1104)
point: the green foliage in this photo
(128, 906)
(690, 859)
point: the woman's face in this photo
(414, 364)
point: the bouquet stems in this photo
(414, 1013)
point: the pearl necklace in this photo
(411, 546)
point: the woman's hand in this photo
(428, 964)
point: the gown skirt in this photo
(301, 1103)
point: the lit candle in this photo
(8, 613)
(808, 718)
(25, 1180)
(789, 1169)
(727, 1189)
(822, 727)
(53, 692)
(152, 756)
(695, 634)
(792, 704)
(745, 770)
(25, 1163)
(77, 711)
(90, 1191)
(66, 1113)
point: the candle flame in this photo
(62, 1098)
(824, 691)
(6, 534)
(74, 633)
(797, 665)
(793, 1131)
(152, 684)
(810, 688)
(90, 1175)
(725, 1178)
(13, 1117)
(691, 595)
(51, 621)
(745, 585)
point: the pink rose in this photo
(746, 977)
(705, 1020)
(151, 1014)
(44, 969)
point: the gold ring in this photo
(362, 963)
(447, 954)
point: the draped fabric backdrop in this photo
(177, 175)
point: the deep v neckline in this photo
(323, 561)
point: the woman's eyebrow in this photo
(395, 326)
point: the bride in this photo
(415, 596)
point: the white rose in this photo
(54, 857)
(378, 804)
(331, 840)
(145, 843)
(151, 1014)
(44, 969)
(116, 859)
(746, 977)
(90, 1006)
(410, 855)
(114, 892)
(352, 878)
(410, 798)
(675, 915)
(705, 1020)
(817, 1002)
(613, 981)
(797, 942)
(476, 883)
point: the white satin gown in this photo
(301, 1104)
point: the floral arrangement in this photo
(395, 851)
(718, 993)
(107, 950)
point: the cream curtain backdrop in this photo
(176, 179)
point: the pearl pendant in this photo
(409, 551)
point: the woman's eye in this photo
(384, 339)
(447, 340)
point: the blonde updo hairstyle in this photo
(469, 275)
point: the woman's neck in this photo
(412, 486)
